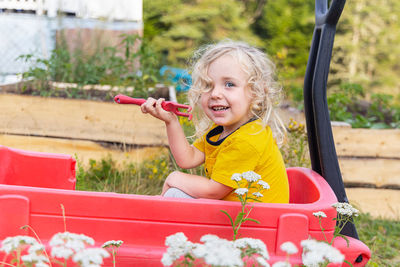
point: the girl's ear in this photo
(255, 106)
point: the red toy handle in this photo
(166, 105)
(123, 99)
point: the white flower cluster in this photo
(289, 248)
(345, 209)
(217, 252)
(251, 176)
(236, 177)
(90, 257)
(214, 251)
(319, 214)
(318, 252)
(178, 245)
(35, 256)
(255, 244)
(263, 184)
(112, 243)
(257, 194)
(241, 191)
(281, 264)
(66, 245)
(35, 259)
(12, 243)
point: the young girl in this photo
(233, 96)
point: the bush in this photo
(134, 64)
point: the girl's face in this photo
(228, 100)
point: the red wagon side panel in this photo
(20, 167)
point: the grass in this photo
(382, 237)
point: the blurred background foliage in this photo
(366, 50)
(363, 83)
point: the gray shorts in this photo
(175, 192)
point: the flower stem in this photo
(322, 229)
(40, 242)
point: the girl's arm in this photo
(185, 155)
(196, 186)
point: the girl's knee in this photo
(173, 174)
(176, 193)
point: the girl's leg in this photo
(175, 192)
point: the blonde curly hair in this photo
(266, 91)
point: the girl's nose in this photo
(216, 92)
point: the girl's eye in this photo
(229, 84)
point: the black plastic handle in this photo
(320, 138)
(331, 16)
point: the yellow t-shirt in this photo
(249, 148)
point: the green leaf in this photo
(380, 125)
(349, 263)
(253, 220)
(345, 238)
(239, 218)
(229, 216)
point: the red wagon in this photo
(33, 186)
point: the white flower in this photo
(236, 177)
(208, 238)
(167, 260)
(177, 246)
(319, 214)
(114, 243)
(219, 252)
(36, 248)
(61, 252)
(71, 239)
(12, 243)
(199, 251)
(34, 258)
(176, 239)
(257, 194)
(345, 209)
(289, 248)
(90, 257)
(65, 244)
(281, 264)
(315, 253)
(241, 191)
(256, 244)
(251, 176)
(264, 184)
(41, 264)
(262, 262)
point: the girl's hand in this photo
(153, 107)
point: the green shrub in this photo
(347, 104)
(134, 64)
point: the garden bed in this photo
(87, 129)
(94, 130)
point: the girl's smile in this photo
(228, 100)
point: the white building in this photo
(30, 26)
